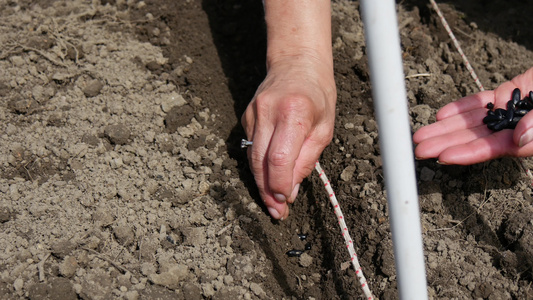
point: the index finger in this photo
(455, 123)
(465, 104)
(283, 152)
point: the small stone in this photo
(102, 216)
(117, 134)
(18, 284)
(61, 288)
(426, 174)
(422, 113)
(207, 290)
(305, 260)
(93, 88)
(17, 61)
(147, 268)
(75, 53)
(124, 234)
(228, 279)
(131, 295)
(345, 265)
(191, 291)
(68, 267)
(96, 284)
(347, 173)
(153, 66)
(5, 214)
(171, 100)
(62, 248)
(256, 289)
(194, 236)
(172, 278)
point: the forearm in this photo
(299, 29)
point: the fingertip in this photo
(418, 136)
(523, 133)
(274, 213)
(294, 193)
(286, 214)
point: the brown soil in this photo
(121, 175)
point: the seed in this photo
(294, 253)
(308, 246)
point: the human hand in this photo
(460, 137)
(290, 121)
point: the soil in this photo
(121, 175)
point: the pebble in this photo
(208, 290)
(93, 88)
(194, 236)
(62, 248)
(147, 268)
(18, 284)
(426, 174)
(117, 134)
(17, 61)
(124, 234)
(68, 267)
(131, 295)
(191, 291)
(305, 260)
(347, 173)
(256, 289)
(422, 113)
(171, 279)
(102, 216)
(171, 100)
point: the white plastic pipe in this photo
(390, 103)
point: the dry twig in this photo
(114, 264)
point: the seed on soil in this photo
(302, 236)
(307, 246)
(294, 253)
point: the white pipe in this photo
(390, 103)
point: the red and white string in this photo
(345, 233)
(457, 46)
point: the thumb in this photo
(523, 133)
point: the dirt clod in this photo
(118, 134)
(93, 88)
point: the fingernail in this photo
(526, 137)
(280, 197)
(286, 214)
(294, 193)
(274, 213)
(442, 163)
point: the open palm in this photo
(460, 137)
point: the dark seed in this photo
(302, 236)
(490, 119)
(308, 246)
(515, 96)
(520, 112)
(499, 119)
(294, 253)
